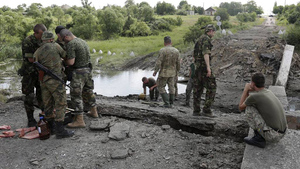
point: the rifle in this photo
(47, 71)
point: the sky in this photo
(267, 5)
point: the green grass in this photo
(145, 45)
(142, 45)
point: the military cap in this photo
(47, 35)
(58, 29)
(210, 27)
(167, 39)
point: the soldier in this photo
(264, 112)
(190, 84)
(30, 74)
(78, 57)
(59, 39)
(168, 65)
(53, 91)
(203, 73)
(151, 84)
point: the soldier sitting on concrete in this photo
(264, 112)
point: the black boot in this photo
(61, 132)
(256, 140)
(31, 121)
(51, 124)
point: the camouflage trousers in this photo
(256, 122)
(161, 84)
(54, 98)
(175, 85)
(29, 82)
(188, 90)
(201, 82)
(82, 86)
(154, 93)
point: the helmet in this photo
(142, 96)
(210, 27)
(47, 35)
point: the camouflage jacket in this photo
(203, 46)
(78, 49)
(29, 46)
(167, 63)
(49, 55)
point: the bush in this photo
(222, 12)
(293, 36)
(246, 17)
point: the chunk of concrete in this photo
(284, 70)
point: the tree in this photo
(111, 23)
(198, 10)
(252, 7)
(34, 10)
(222, 12)
(233, 8)
(165, 8)
(182, 3)
(129, 3)
(196, 30)
(146, 14)
(86, 3)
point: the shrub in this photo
(293, 36)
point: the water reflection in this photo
(123, 83)
(107, 83)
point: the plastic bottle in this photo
(43, 128)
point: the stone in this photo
(119, 131)
(131, 53)
(100, 52)
(119, 154)
(109, 53)
(94, 50)
(99, 124)
(165, 127)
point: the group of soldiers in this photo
(45, 62)
(168, 65)
(265, 113)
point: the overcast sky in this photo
(267, 5)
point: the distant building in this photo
(190, 12)
(210, 11)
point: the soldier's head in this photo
(57, 31)
(210, 30)
(48, 36)
(144, 80)
(38, 30)
(66, 35)
(258, 80)
(167, 40)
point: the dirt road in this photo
(150, 142)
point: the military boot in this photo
(257, 140)
(171, 99)
(78, 122)
(165, 98)
(31, 121)
(93, 112)
(51, 124)
(207, 112)
(61, 132)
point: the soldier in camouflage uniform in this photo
(264, 112)
(78, 57)
(53, 90)
(30, 74)
(204, 78)
(168, 65)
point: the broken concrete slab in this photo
(282, 155)
(284, 70)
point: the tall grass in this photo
(143, 45)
